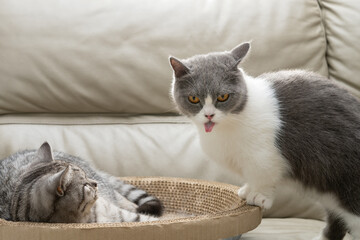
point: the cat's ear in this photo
(61, 180)
(240, 51)
(44, 153)
(179, 68)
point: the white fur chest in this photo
(247, 138)
(227, 147)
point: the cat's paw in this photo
(89, 198)
(259, 199)
(244, 191)
(90, 193)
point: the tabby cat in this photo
(46, 186)
(293, 127)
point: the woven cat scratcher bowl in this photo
(194, 209)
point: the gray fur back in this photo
(11, 169)
(320, 135)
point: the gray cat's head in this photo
(209, 88)
(53, 191)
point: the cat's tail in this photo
(151, 206)
(147, 204)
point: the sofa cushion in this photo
(122, 146)
(136, 146)
(287, 228)
(112, 56)
(341, 19)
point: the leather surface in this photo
(288, 228)
(112, 56)
(341, 18)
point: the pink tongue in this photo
(209, 126)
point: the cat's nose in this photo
(209, 116)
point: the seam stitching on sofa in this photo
(323, 27)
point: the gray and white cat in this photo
(45, 186)
(288, 126)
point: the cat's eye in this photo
(223, 98)
(194, 99)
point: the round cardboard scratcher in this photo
(194, 209)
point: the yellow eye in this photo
(223, 98)
(193, 99)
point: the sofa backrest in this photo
(341, 21)
(112, 56)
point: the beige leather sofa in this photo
(92, 78)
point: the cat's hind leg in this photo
(105, 211)
(128, 216)
(335, 228)
(353, 224)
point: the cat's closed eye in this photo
(223, 98)
(194, 99)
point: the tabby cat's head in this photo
(207, 88)
(53, 191)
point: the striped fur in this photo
(106, 211)
(35, 187)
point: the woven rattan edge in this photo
(186, 180)
(129, 224)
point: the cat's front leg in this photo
(244, 191)
(263, 199)
(262, 175)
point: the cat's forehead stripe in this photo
(208, 100)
